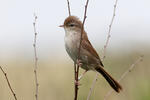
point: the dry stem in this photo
(68, 3)
(76, 65)
(5, 74)
(110, 26)
(35, 57)
(125, 74)
(104, 51)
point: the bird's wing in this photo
(88, 46)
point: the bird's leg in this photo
(79, 63)
(79, 78)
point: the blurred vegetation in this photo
(56, 79)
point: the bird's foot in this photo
(77, 83)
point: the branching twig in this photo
(35, 57)
(104, 51)
(5, 74)
(76, 65)
(82, 29)
(68, 7)
(125, 74)
(110, 26)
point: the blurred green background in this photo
(56, 78)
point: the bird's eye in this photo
(71, 25)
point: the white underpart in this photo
(72, 41)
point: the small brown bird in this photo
(89, 58)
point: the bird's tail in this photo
(114, 84)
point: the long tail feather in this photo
(114, 84)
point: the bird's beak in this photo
(61, 26)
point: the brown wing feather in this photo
(88, 46)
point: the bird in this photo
(88, 59)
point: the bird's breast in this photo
(71, 44)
